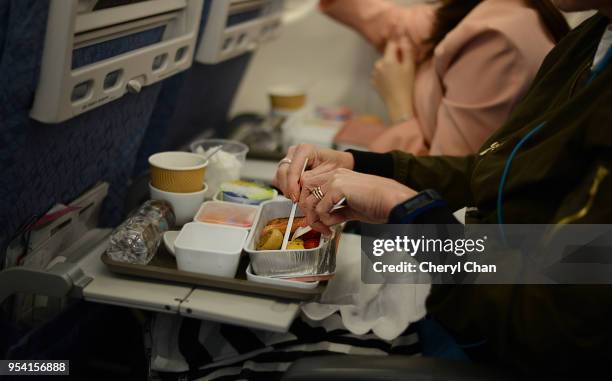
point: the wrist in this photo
(396, 198)
(400, 112)
(401, 119)
(347, 160)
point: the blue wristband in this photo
(408, 211)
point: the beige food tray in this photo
(163, 267)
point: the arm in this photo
(377, 20)
(535, 326)
(482, 83)
(393, 78)
(450, 176)
(532, 327)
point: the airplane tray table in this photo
(163, 267)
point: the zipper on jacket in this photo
(586, 67)
(492, 148)
(602, 173)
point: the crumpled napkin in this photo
(385, 309)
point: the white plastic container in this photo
(226, 213)
(209, 249)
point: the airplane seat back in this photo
(159, 123)
(189, 105)
(45, 164)
(199, 101)
(3, 23)
(205, 102)
(167, 102)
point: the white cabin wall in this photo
(331, 60)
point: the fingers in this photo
(323, 209)
(395, 32)
(314, 175)
(377, 72)
(304, 198)
(390, 51)
(314, 178)
(301, 153)
(280, 179)
(378, 68)
(318, 213)
(403, 44)
(324, 206)
(399, 31)
(321, 228)
(339, 217)
(308, 203)
(405, 49)
(308, 208)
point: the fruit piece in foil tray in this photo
(281, 224)
(271, 240)
(272, 235)
(296, 244)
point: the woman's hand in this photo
(320, 161)
(393, 77)
(368, 198)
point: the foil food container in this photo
(317, 261)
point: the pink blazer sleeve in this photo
(481, 83)
(405, 136)
(376, 19)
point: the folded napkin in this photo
(385, 309)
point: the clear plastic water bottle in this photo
(137, 239)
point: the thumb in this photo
(390, 50)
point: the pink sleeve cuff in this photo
(405, 136)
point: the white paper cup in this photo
(185, 205)
(178, 172)
(286, 99)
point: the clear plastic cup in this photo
(223, 166)
(234, 147)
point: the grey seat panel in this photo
(42, 165)
(191, 102)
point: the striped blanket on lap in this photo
(223, 352)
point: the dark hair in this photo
(451, 12)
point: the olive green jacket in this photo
(560, 175)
